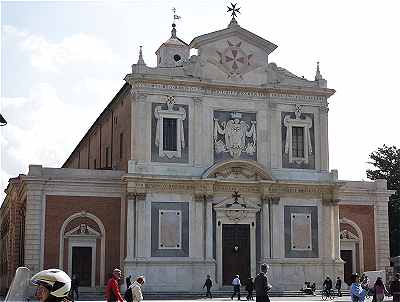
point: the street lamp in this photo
(3, 122)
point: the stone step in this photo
(97, 295)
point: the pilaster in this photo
(277, 229)
(139, 126)
(324, 147)
(199, 144)
(382, 251)
(142, 224)
(34, 230)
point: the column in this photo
(277, 229)
(209, 229)
(130, 227)
(197, 225)
(265, 230)
(336, 231)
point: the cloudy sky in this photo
(62, 62)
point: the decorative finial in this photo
(318, 75)
(175, 17)
(233, 10)
(141, 61)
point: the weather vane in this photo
(234, 11)
(176, 17)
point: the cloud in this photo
(51, 56)
(41, 129)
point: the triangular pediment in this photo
(233, 55)
(234, 31)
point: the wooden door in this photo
(347, 257)
(235, 252)
(82, 264)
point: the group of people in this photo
(54, 285)
(360, 288)
(260, 285)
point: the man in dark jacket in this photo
(395, 288)
(261, 284)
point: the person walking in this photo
(136, 288)
(379, 290)
(394, 288)
(208, 285)
(261, 284)
(327, 286)
(75, 286)
(338, 286)
(113, 293)
(249, 288)
(357, 292)
(128, 292)
(236, 287)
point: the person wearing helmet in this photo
(53, 285)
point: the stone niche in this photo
(235, 136)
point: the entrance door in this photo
(82, 264)
(235, 252)
(347, 257)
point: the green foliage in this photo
(386, 161)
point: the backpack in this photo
(128, 295)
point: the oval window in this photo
(177, 58)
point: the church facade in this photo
(206, 164)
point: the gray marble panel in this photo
(183, 249)
(295, 253)
(223, 118)
(285, 156)
(154, 149)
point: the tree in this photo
(386, 160)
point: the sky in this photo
(62, 62)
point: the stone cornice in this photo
(308, 95)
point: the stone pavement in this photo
(278, 299)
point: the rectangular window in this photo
(169, 134)
(107, 156)
(298, 142)
(121, 144)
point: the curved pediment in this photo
(237, 170)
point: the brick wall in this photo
(363, 216)
(59, 208)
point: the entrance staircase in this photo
(98, 294)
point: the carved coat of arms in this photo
(231, 136)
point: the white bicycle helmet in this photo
(56, 281)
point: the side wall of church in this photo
(107, 143)
(60, 208)
(12, 224)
